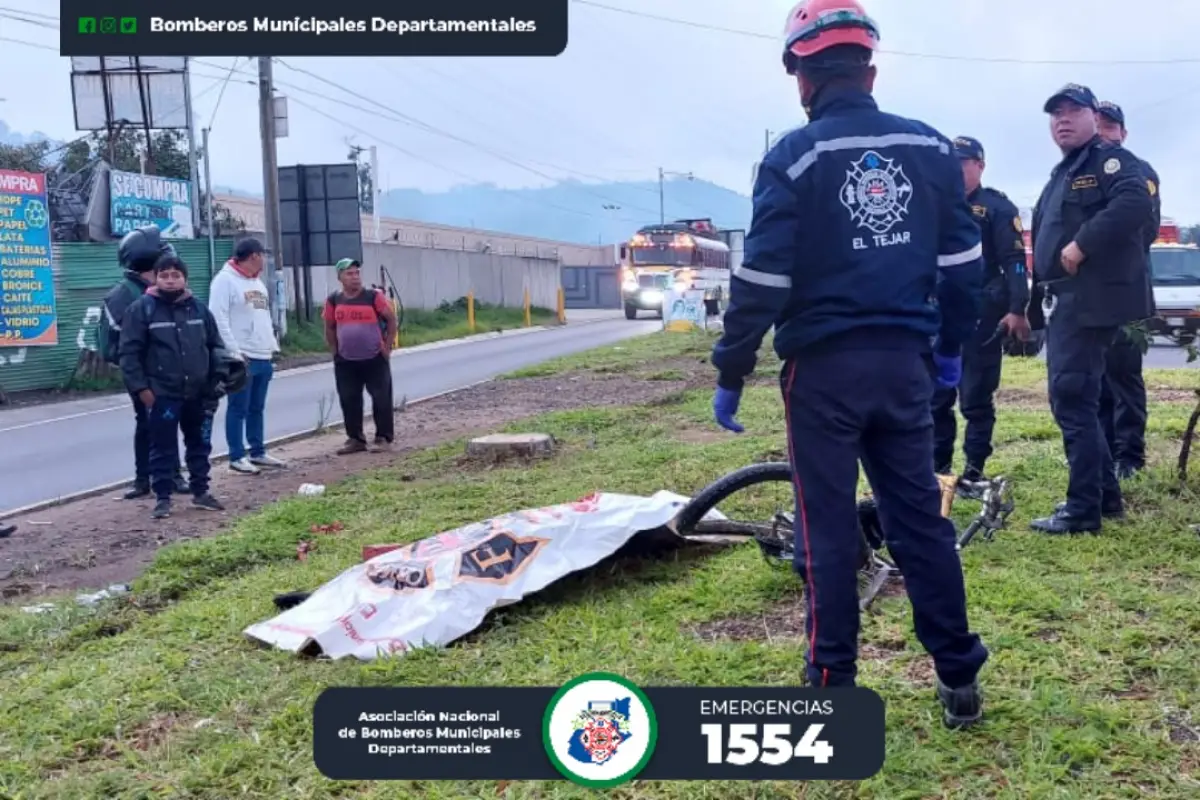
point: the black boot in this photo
(162, 509)
(961, 707)
(1109, 509)
(181, 485)
(138, 491)
(1060, 523)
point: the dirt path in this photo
(103, 540)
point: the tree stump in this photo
(501, 446)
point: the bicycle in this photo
(775, 539)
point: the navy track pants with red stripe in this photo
(871, 405)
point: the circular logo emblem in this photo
(599, 730)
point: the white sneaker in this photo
(244, 466)
(268, 461)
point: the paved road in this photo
(56, 450)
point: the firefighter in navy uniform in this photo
(1002, 313)
(860, 225)
(1123, 394)
(1090, 279)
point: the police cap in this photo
(1112, 111)
(1080, 95)
(966, 147)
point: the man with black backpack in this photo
(138, 252)
(360, 327)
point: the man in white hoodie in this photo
(239, 302)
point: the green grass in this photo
(421, 326)
(1092, 689)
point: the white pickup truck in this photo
(1175, 274)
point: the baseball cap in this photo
(248, 247)
(345, 264)
(967, 147)
(1076, 94)
(1112, 111)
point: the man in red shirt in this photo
(360, 327)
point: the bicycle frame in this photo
(776, 539)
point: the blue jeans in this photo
(244, 412)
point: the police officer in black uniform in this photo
(1123, 397)
(860, 221)
(1005, 296)
(1090, 272)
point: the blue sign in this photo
(28, 313)
(139, 200)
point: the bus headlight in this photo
(652, 296)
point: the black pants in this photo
(168, 418)
(873, 406)
(141, 445)
(1123, 403)
(976, 397)
(1075, 362)
(375, 376)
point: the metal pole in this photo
(274, 243)
(375, 194)
(662, 212)
(208, 204)
(767, 141)
(193, 170)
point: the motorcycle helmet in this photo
(141, 248)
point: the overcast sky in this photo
(631, 94)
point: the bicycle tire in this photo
(691, 516)
(725, 487)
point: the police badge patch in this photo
(1017, 224)
(1153, 189)
(1111, 166)
(876, 192)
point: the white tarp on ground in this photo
(441, 588)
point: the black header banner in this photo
(308, 28)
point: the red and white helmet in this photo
(816, 25)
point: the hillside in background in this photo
(9, 136)
(570, 211)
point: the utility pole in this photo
(274, 243)
(193, 172)
(376, 194)
(662, 209)
(208, 201)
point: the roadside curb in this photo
(95, 491)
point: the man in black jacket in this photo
(1090, 272)
(138, 252)
(1123, 399)
(168, 345)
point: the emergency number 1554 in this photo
(774, 746)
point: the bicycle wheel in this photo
(774, 539)
(723, 488)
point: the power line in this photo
(906, 54)
(28, 20)
(443, 167)
(228, 75)
(560, 168)
(447, 134)
(29, 13)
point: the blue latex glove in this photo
(949, 370)
(725, 407)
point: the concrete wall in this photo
(444, 237)
(426, 278)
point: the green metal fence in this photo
(83, 274)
